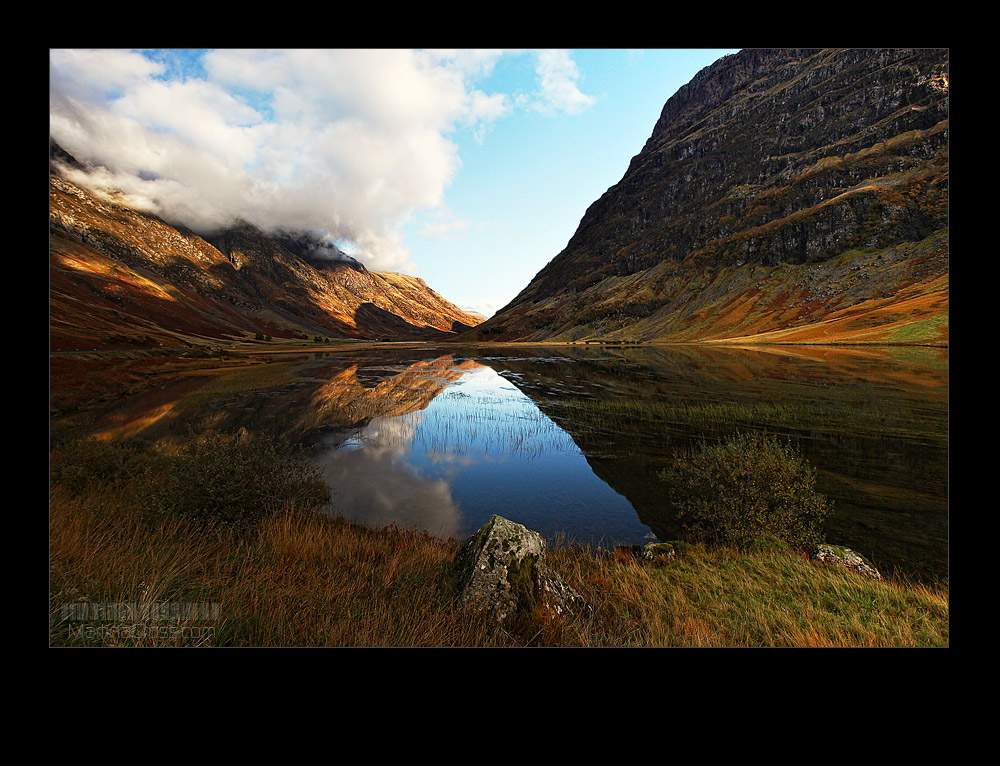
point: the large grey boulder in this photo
(502, 569)
(845, 557)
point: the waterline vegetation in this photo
(748, 489)
(295, 577)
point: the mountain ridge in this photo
(120, 277)
(785, 195)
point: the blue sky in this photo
(471, 169)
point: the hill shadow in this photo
(378, 322)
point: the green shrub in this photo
(237, 482)
(219, 479)
(82, 464)
(746, 490)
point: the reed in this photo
(298, 580)
(303, 579)
(858, 418)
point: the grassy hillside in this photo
(893, 295)
(119, 278)
(783, 196)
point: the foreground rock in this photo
(502, 570)
(845, 557)
(659, 552)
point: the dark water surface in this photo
(569, 440)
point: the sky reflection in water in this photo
(480, 447)
(437, 441)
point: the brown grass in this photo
(720, 597)
(300, 580)
(309, 580)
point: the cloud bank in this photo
(344, 143)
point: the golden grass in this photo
(309, 580)
(721, 597)
(300, 580)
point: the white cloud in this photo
(347, 142)
(99, 71)
(485, 306)
(558, 90)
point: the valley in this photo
(247, 416)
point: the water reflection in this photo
(873, 422)
(372, 480)
(480, 447)
(571, 440)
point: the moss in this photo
(842, 552)
(522, 580)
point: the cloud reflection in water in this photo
(372, 481)
(479, 447)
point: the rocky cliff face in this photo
(122, 278)
(783, 195)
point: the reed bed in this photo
(300, 580)
(857, 418)
(722, 597)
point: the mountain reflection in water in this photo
(571, 441)
(479, 447)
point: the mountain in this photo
(120, 277)
(783, 196)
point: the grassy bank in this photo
(294, 577)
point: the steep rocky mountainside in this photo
(784, 195)
(123, 278)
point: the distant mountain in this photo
(784, 195)
(123, 278)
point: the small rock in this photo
(845, 557)
(654, 553)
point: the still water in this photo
(571, 440)
(479, 447)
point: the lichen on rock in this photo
(501, 569)
(845, 557)
(658, 552)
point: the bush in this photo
(746, 490)
(82, 464)
(234, 482)
(237, 482)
